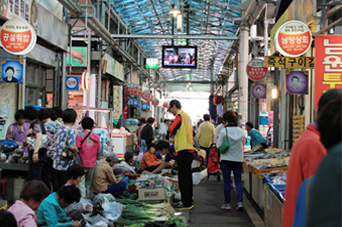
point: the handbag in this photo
(67, 153)
(226, 145)
(32, 139)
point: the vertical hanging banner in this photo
(293, 39)
(117, 101)
(11, 71)
(17, 36)
(328, 64)
(256, 70)
(259, 91)
(297, 82)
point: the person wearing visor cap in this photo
(182, 129)
(104, 180)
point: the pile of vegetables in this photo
(137, 212)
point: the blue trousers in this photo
(227, 167)
(143, 146)
(116, 189)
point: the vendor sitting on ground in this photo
(163, 147)
(31, 196)
(125, 166)
(51, 211)
(74, 174)
(149, 161)
(104, 180)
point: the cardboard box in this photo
(151, 194)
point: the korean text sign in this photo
(17, 36)
(256, 70)
(328, 65)
(293, 39)
(290, 62)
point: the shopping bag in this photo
(225, 145)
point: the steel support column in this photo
(243, 79)
(210, 37)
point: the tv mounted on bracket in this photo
(179, 57)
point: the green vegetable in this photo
(176, 220)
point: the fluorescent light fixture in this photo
(175, 12)
(179, 22)
(274, 92)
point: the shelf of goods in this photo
(258, 164)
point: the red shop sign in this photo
(256, 70)
(146, 95)
(132, 88)
(328, 64)
(293, 39)
(17, 36)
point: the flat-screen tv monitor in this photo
(179, 57)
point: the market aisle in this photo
(207, 212)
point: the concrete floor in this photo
(207, 211)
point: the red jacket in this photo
(90, 148)
(306, 155)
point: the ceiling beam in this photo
(143, 36)
(185, 82)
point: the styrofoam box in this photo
(119, 144)
(195, 164)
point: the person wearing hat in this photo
(182, 129)
(104, 180)
(147, 134)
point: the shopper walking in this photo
(36, 153)
(163, 128)
(206, 134)
(181, 128)
(306, 155)
(310, 200)
(232, 160)
(49, 174)
(147, 134)
(89, 146)
(65, 137)
(255, 135)
(328, 178)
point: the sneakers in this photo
(226, 206)
(182, 207)
(239, 206)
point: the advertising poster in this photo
(256, 70)
(328, 62)
(78, 57)
(297, 82)
(11, 71)
(259, 91)
(72, 83)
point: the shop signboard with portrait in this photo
(12, 71)
(297, 82)
(328, 62)
(256, 70)
(293, 39)
(259, 91)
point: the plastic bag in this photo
(96, 220)
(100, 198)
(8, 146)
(83, 205)
(112, 210)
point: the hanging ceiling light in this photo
(175, 11)
(274, 92)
